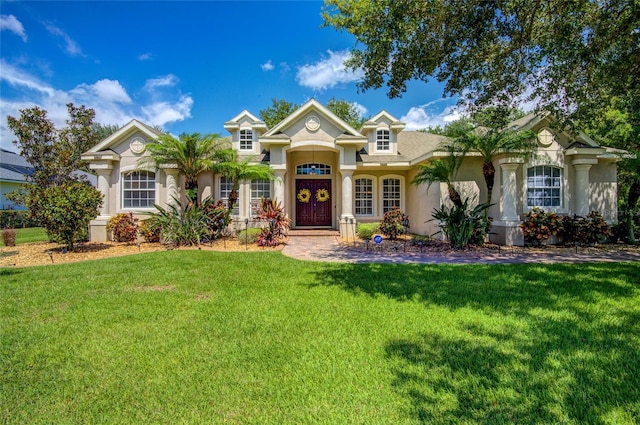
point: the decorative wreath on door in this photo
(322, 195)
(304, 195)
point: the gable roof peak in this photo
(312, 105)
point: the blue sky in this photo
(185, 66)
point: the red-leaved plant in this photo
(277, 223)
(123, 227)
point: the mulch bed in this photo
(44, 253)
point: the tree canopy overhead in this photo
(562, 54)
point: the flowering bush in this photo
(123, 227)
(393, 223)
(538, 226)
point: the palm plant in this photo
(490, 142)
(442, 171)
(191, 154)
(235, 169)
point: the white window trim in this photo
(375, 141)
(253, 142)
(403, 194)
(374, 190)
(120, 188)
(564, 196)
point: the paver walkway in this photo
(331, 248)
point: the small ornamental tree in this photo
(393, 223)
(66, 210)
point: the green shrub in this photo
(180, 225)
(66, 210)
(538, 226)
(17, 219)
(217, 217)
(9, 237)
(123, 227)
(461, 226)
(365, 231)
(587, 230)
(393, 223)
(250, 235)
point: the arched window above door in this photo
(313, 169)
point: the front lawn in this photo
(29, 235)
(210, 337)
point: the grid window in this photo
(390, 194)
(544, 186)
(364, 197)
(226, 185)
(138, 189)
(246, 140)
(259, 189)
(313, 169)
(382, 140)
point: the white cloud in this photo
(166, 81)
(362, 110)
(328, 72)
(21, 79)
(267, 66)
(161, 113)
(284, 67)
(145, 56)
(423, 116)
(70, 46)
(109, 91)
(110, 100)
(11, 23)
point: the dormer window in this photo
(382, 141)
(246, 140)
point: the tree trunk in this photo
(455, 197)
(191, 189)
(489, 173)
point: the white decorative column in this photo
(506, 229)
(347, 220)
(509, 192)
(171, 184)
(582, 193)
(278, 186)
(104, 177)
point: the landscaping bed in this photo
(43, 253)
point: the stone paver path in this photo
(331, 248)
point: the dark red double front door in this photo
(313, 202)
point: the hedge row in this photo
(16, 219)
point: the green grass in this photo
(29, 235)
(206, 337)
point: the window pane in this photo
(138, 189)
(544, 186)
(364, 197)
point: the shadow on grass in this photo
(5, 271)
(543, 344)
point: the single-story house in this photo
(15, 171)
(331, 175)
